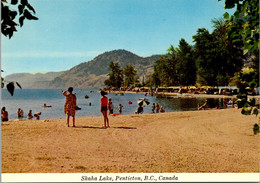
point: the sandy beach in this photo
(219, 141)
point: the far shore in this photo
(183, 95)
(212, 141)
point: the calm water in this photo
(33, 99)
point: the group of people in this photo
(111, 107)
(20, 114)
(156, 108)
(70, 108)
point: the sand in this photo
(219, 141)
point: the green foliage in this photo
(9, 16)
(217, 57)
(10, 86)
(130, 75)
(244, 23)
(185, 66)
(248, 77)
(242, 100)
(246, 111)
(255, 111)
(115, 76)
(177, 68)
(118, 77)
(256, 129)
(165, 72)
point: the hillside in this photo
(91, 74)
(37, 80)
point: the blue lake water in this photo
(33, 99)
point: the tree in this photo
(115, 76)
(230, 54)
(9, 16)
(218, 58)
(185, 66)
(9, 24)
(244, 23)
(130, 75)
(165, 72)
(206, 57)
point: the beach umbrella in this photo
(143, 102)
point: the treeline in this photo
(212, 60)
(121, 77)
(215, 59)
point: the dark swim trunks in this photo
(104, 108)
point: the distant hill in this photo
(90, 74)
(37, 80)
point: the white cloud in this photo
(55, 54)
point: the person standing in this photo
(19, 113)
(120, 107)
(157, 108)
(153, 107)
(70, 105)
(110, 106)
(4, 114)
(103, 108)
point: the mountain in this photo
(37, 80)
(91, 74)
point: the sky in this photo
(70, 32)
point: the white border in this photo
(130, 177)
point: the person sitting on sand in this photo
(203, 106)
(140, 109)
(103, 108)
(70, 105)
(162, 109)
(37, 115)
(110, 106)
(4, 114)
(29, 115)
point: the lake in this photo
(34, 99)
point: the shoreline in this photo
(183, 95)
(213, 141)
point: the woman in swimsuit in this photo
(70, 105)
(4, 114)
(103, 108)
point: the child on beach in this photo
(153, 107)
(120, 107)
(140, 109)
(157, 108)
(20, 113)
(29, 115)
(37, 115)
(162, 109)
(103, 108)
(70, 105)
(4, 114)
(110, 106)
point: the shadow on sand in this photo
(124, 127)
(95, 127)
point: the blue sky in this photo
(70, 32)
